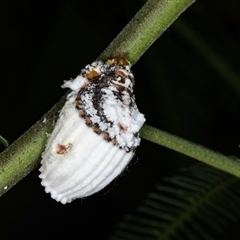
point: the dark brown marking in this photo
(78, 104)
(104, 78)
(120, 74)
(129, 91)
(61, 149)
(88, 121)
(82, 113)
(118, 86)
(106, 137)
(92, 75)
(96, 130)
(118, 61)
(122, 128)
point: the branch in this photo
(23, 156)
(190, 149)
(149, 23)
(145, 28)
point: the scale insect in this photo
(96, 134)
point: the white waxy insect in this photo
(96, 134)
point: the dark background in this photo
(46, 42)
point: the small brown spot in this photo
(129, 91)
(88, 121)
(97, 130)
(118, 61)
(123, 62)
(37, 128)
(78, 104)
(118, 86)
(92, 75)
(114, 141)
(62, 149)
(104, 78)
(82, 113)
(122, 128)
(100, 85)
(120, 74)
(106, 137)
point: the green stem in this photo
(153, 19)
(147, 25)
(190, 149)
(21, 157)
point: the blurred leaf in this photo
(4, 141)
(193, 204)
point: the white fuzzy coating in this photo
(126, 120)
(75, 84)
(131, 120)
(78, 162)
(88, 165)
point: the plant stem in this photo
(147, 25)
(21, 157)
(190, 149)
(152, 20)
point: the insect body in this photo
(96, 134)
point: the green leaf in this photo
(4, 141)
(193, 204)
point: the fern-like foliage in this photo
(198, 203)
(4, 141)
